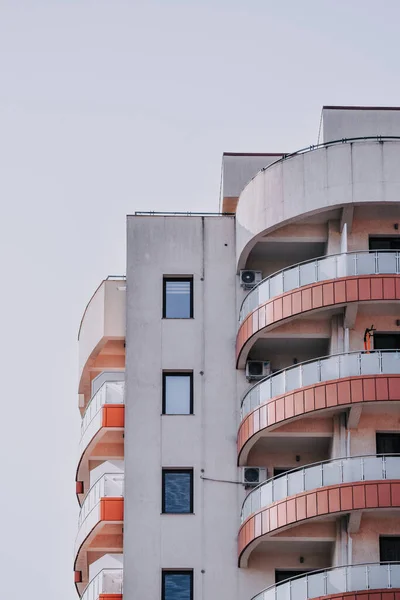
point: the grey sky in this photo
(107, 107)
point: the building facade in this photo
(240, 388)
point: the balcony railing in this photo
(108, 581)
(110, 484)
(320, 269)
(317, 475)
(111, 392)
(336, 366)
(338, 580)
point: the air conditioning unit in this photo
(252, 476)
(257, 369)
(249, 279)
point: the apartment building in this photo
(240, 387)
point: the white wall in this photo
(238, 169)
(108, 561)
(108, 466)
(207, 540)
(347, 123)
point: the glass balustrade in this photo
(317, 270)
(111, 392)
(110, 484)
(336, 366)
(311, 477)
(108, 581)
(338, 580)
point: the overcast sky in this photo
(107, 107)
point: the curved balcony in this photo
(104, 415)
(100, 523)
(336, 381)
(319, 490)
(317, 179)
(102, 332)
(110, 395)
(108, 582)
(104, 502)
(337, 581)
(350, 277)
(320, 269)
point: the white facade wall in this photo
(341, 123)
(206, 541)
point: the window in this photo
(386, 341)
(177, 491)
(389, 549)
(177, 393)
(384, 243)
(178, 298)
(177, 585)
(281, 470)
(388, 443)
(283, 575)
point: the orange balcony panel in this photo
(77, 576)
(342, 393)
(113, 416)
(316, 296)
(110, 597)
(111, 509)
(337, 499)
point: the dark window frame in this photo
(376, 239)
(288, 574)
(188, 470)
(382, 540)
(186, 278)
(379, 335)
(166, 572)
(166, 374)
(394, 435)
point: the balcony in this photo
(100, 411)
(102, 333)
(321, 490)
(338, 582)
(101, 422)
(292, 292)
(100, 522)
(108, 582)
(333, 382)
(314, 181)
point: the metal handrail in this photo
(101, 391)
(373, 138)
(284, 477)
(318, 260)
(149, 213)
(324, 582)
(319, 363)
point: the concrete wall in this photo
(314, 182)
(238, 169)
(365, 543)
(341, 123)
(104, 319)
(204, 248)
